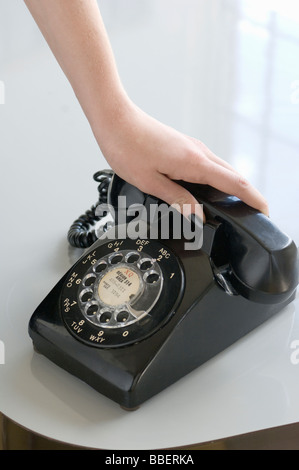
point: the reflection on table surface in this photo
(224, 72)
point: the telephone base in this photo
(130, 375)
(129, 409)
(35, 349)
(134, 315)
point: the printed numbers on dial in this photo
(121, 292)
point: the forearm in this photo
(75, 32)
(140, 149)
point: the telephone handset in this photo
(132, 316)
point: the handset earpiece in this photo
(263, 260)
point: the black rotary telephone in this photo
(134, 315)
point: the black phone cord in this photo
(81, 233)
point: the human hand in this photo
(140, 149)
(151, 155)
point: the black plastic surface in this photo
(246, 271)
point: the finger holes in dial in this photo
(132, 258)
(122, 316)
(100, 267)
(151, 277)
(105, 316)
(91, 309)
(145, 264)
(86, 295)
(115, 259)
(89, 280)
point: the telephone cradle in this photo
(133, 316)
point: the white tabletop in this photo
(221, 71)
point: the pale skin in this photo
(140, 149)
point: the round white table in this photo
(241, 107)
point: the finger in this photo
(232, 183)
(204, 150)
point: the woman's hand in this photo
(150, 155)
(141, 150)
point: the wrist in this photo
(110, 115)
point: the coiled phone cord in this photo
(81, 234)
